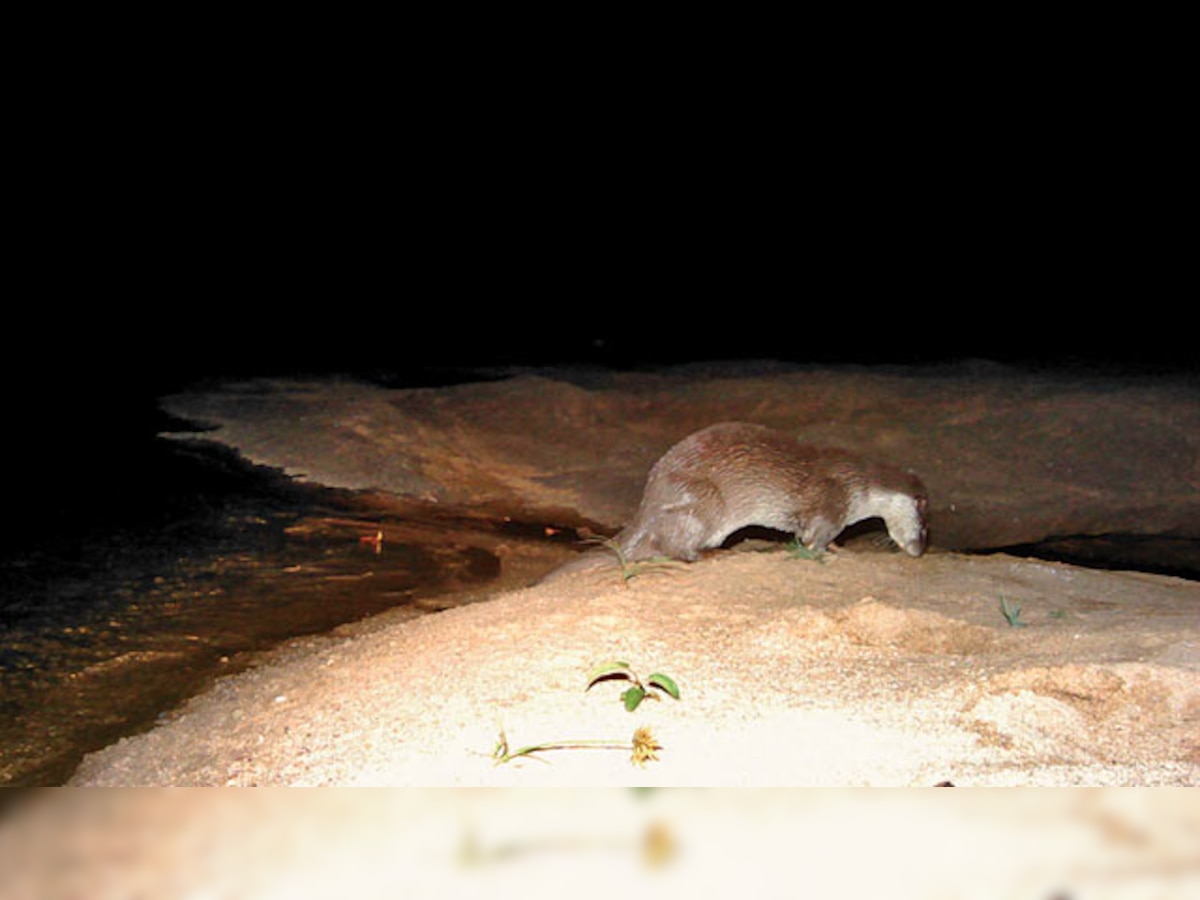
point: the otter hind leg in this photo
(682, 535)
(684, 528)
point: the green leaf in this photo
(1012, 614)
(608, 670)
(633, 697)
(666, 682)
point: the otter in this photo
(733, 474)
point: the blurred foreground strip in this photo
(292, 844)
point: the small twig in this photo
(643, 747)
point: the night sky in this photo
(231, 221)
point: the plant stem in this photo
(643, 746)
(503, 755)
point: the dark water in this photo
(125, 588)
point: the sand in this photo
(866, 668)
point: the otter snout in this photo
(916, 547)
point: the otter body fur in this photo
(732, 475)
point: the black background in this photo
(274, 214)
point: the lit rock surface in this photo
(870, 669)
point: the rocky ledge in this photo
(1010, 458)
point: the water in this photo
(117, 605)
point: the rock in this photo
(1009, 457)
(869, 669)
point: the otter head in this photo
(903, 511)
(906, 523)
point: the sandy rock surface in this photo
(869, 668)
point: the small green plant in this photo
(644, 748)
(1012, 614)
(639, 690)
(632, 569)
(797, 550)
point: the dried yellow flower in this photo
(645, 747)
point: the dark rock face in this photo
(1009, 458)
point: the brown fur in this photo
(733, 474)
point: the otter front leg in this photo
(818, 534)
